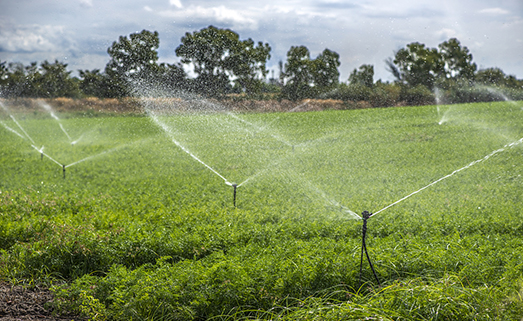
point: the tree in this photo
(297, 73)
(364, 76)
(93, 83)
(132, 57)
(247, 63)
(20, 80)
(306, 78)
(457, 60)
(491, 77)
(219, 57)
(55, 81)
(4, 73)
(46, 80)
(417, 65)
(172, 76)
(324, 69)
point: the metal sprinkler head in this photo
(366, 215)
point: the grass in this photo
(144, 231)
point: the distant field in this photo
(143, 225)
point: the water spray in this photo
(504, 148)
(21, 128)
(12, 130)
(365, 216)
(182, 147)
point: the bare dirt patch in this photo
(19, 303)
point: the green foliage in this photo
(457, 59)
(363, 76)
(219, 54)
(419, 65)
(308, 78)
(143, 231)
(495, 77)
(133, 57)
(93, 83)
(226, 65)
(418, 95)
(48, 81)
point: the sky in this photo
(78, 32)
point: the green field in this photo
(143, 225)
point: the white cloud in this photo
(176, 3)
(86, 3)
(32, 38)
(494, 11)
(148, 9)
(219, 14)
(446, 33)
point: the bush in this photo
(417, 96)
(352, 92)
(385, 95)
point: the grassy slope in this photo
(289, 250)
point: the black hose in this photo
(365, 216)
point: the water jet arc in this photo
(505, 147)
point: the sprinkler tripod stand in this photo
(366, 215)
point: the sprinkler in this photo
(234, 194)
(41, 155)
(63, 170)
(365, 216)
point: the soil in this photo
(19, 303)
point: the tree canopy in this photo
(305, 77)
(219, 58)
(418, 65)
(224, 64)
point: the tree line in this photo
(223, 64)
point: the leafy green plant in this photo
(139, 229)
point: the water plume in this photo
(260, 129)
(12, 130)
(168, 131)
(41, 151)
(100, 154)
(49, 109)
(507, 146)
(317, 191)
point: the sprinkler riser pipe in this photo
(365, 216)
(234, 194)
(63, 170)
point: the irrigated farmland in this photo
(217, 215)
